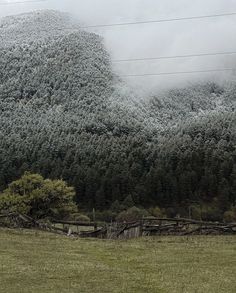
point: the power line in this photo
(161, 57)
(177, 72)
(22, 2)
(173, 57)
(134, 23)
(160, 20)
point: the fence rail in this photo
(145, 227)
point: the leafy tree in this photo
(39, 197)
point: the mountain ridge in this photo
(66, 114)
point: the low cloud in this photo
(152, 40)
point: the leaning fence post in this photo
(141, 228)
(94, 220)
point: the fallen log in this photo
(184, 220)
(93, 234)
(158, 227)
(75, 223)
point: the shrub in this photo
(131, 215)
(103, 216)
(157, 212)
(116, 207)
(211, 213)
(128, 202)
(170, 212)
(230, 216)
(195, 212)
(38, 197)
(83, 218)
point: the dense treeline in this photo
(65, 115)
(174, 172)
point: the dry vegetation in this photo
(40, 262)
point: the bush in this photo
(13, 203)
(116, 207)
(38, 197)
(211, 213)
(170, 212)
(230, 216)
(103, 216)
(195, 212)
(128, 202)
(131, 215)
(83, 218)
(79, 217)
(157, 212)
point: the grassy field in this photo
(39, 262)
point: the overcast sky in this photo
(152, 40)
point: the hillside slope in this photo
(64, 113)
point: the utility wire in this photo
(174, 57)
(160, 20)
(161, 57)
(178, 72)
(133, 23)
(22, 2)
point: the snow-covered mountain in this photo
(43, 24)
(71, 68)
(47, 62)
(64, 113)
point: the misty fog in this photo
(158, 39)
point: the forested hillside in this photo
(65, 114)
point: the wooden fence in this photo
(145, 227)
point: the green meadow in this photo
(33, 262)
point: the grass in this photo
(39, 262)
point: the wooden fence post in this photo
(141, 228)
(94, 220)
